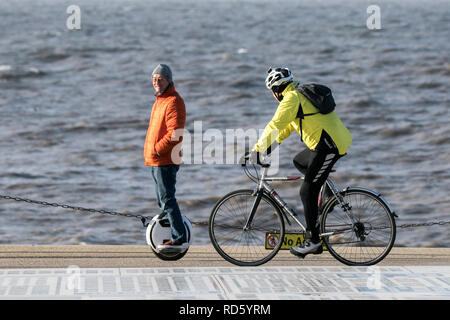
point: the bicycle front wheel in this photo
(362, 231)
(246, 246)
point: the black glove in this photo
(272, 147)
(251, 157)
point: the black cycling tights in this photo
(316, 166)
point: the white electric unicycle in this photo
(158, 231)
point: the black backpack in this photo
(321, 98)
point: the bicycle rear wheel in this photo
(368, 238)
(245, 247)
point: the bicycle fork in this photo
(259, 194)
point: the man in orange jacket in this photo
(162, 152)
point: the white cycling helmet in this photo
(278, 76)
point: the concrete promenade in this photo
(113, 256)
(134, 272)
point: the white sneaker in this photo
(169, 246)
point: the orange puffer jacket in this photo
(165, 131)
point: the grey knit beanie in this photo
(164, 70)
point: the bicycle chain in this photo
(144, 218)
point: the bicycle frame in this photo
(263, 186)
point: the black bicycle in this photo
(247, 227)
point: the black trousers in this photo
(316, 166)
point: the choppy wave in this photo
(49, 55)
(8, 72)
(207, 202)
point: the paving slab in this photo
(228, 283)
(134, 272)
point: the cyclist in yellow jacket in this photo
(326, 138)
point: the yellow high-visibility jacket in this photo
(285, 121)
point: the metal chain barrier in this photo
(65, 206)
(425, 224)
(144, 218)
